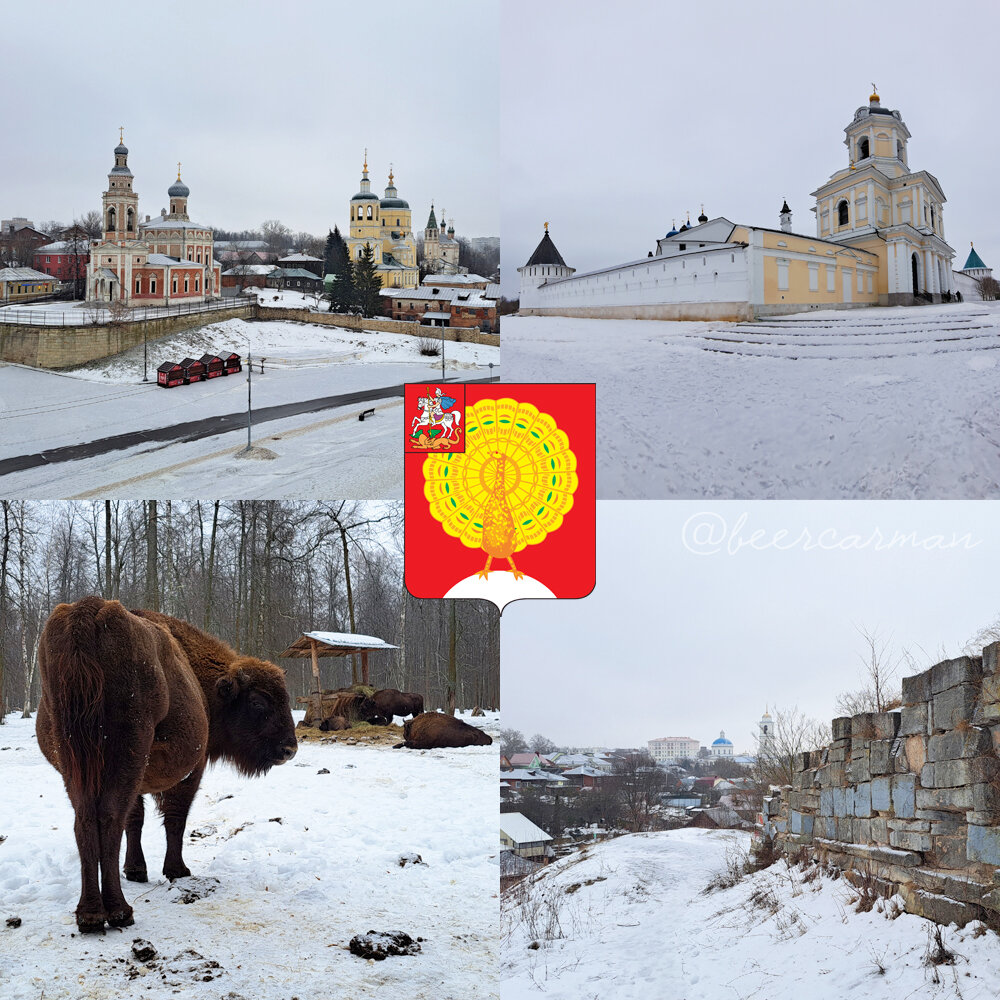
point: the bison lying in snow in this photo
(391, 702)
(432, 729)
(141, 702)
(355, 707)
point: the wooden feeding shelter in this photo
(317, 644)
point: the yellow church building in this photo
(879, 241)
(385, 225)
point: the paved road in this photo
(194, 430)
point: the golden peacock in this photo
(510, 488)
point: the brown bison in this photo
(432, 729)
(391, 702)
(141, 702)
(334, 723)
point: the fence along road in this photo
(96, 313)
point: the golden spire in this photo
(178, 169)
(546, 227)
(390, 175)
(366, 160)
(121, 134)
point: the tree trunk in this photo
(107, 550)
(210, 569)
(355, 676)
(152, 588)
(452, 660)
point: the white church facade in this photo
(879, 240)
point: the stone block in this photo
(954, 773)
(803, 761)
(916, 752)
(916, 688)
(841, 803)
(955, 886)
(953, 706)
(841, 728)
(951, 673)
(909, 841)
(845, 829)
(878, 757)
(903, 788)
(958, 744)
(781, 825)
(823, 826)
(838, 774)
(955, 799)
(826, 802)
(986, 799)
(909, 825)
(862, 831)
(913, 720)
(881, 797)
(837, 755)
(859, 769)
(938, 815)
(984, 844)
(880, 830)
(927, 776)
(874, 726)
(991, 662)
(863, 799)
(948, 850)
(948, 827)
(940, 909)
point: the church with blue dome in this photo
(722, 747)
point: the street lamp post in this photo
(249, 388)
(442, 352)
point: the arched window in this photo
(130, 217)
(932, 217)
(111, 219)
(369, 211)
(842, 214)
(152, 286)
(863, 152)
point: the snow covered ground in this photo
(41, 410)
(287, 869)
(629, 919)
(876, 403)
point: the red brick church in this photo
(156, 262)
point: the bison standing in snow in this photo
(402, 703)
(431, 730)
(141, 702)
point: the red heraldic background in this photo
(564, 561)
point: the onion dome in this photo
(673, 230)
(703, 218)
(178, 189)
(365, 194)
(392, 199)
(722, 741)
(121, 149)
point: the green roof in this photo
(974, 261)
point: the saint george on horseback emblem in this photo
(435, 418)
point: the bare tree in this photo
(791, 733)
(638, 784)
(880, 690)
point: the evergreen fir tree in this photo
(328, 254)
(342, 295)
(367, 282)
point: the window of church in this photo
(782, 275)
(185, 283)
(842, 213)
(814, 277)
(863, 149)
(138, 285)
(173, 286)
(152, 286)
(197, 284)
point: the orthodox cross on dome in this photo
(178, 169)
(390, 175)
(365, 168)
(546, 227)
(121, 134)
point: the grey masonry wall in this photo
(911, 797)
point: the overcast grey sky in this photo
(269, 107)
(678, 643)
(619, 118)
